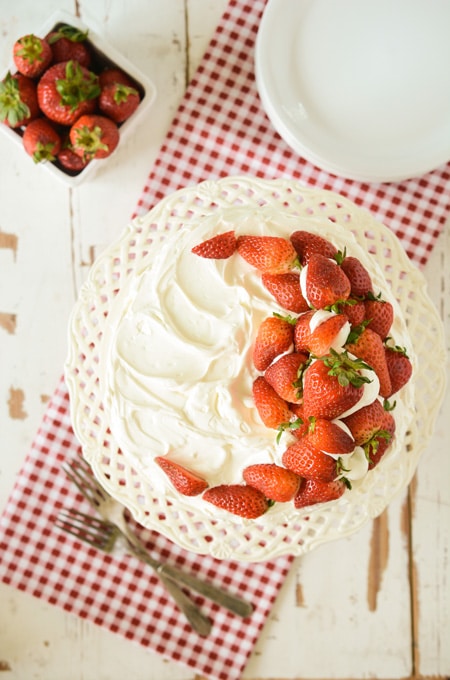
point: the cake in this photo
(184, 388)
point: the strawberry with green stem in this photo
(70, 43)
(276, 483)
(67, 91)
(313, 491)
(285, 376)
(41, 141)
(326, 284)
(18, 100)
(93, 136)
(118, 101)
(32, 55)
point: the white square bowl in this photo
(106, 55)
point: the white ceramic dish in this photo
(109, 55)
(294, 531)
(360, 89)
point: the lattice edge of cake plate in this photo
(234, 538)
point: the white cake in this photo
(176, 369)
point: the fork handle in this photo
(199, 622)
(231, 602)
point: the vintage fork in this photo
(103, 534)
(110, 509)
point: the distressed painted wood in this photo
(374, 605)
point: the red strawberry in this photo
(366, 422)
(66, 91)
(306, 243)
(18, 100)
(244, 501)
(330, 437)
(70, 160)
(332, 385)
(272, 409)
(284, 375)
(275, 482)
(118, 102)
(41, 141)
(184, 481)
(271, 254)
(399, 367)
(369, 347)
(32, 55)
(286, 290)
(380, 315)
(274, 337)
(94, 136)
(354, 310)
(69, 43)
(357, 274)
(312, 491)
(308, 461)
(218, 247)
(114, 75)
(326, 283)
(377, 447)
(325, 334)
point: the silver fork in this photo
(80, 473)
(103, 535)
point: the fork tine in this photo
(79, 474)
(96, 532)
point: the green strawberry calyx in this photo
(12, 108)
(78, 86)
(69, 32)
(346, 369)
(30, 48)
(90, 141)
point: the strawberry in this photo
(118, 101)
(326, 283)
(272, 409)
(366, 422)
(271, 254)
(274, 337)
(66, 91)
(284, 375)
(218, 247)
(70, 160)
(399, 367)
(32, 55)
(307, 461)
(69, 44)
(354, 310)
(330, 437)
(306, 243)
(322, 337)
(185, 481)
(380, 315)
(241, 500)
(357, 274)
(94, 136)
(114, 75)
(313, 491)
(275, 482)
(18, 100)
(41, 141)
(379, 444)
(332, 385)
(286, 290)
(302, 331)
(368, 346)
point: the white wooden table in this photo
(384, 613)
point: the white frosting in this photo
(176, 370)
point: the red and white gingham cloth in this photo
(219, 130)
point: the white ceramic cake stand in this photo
(229, 537)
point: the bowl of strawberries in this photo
(69, 97)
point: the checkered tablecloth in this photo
(220, 129)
